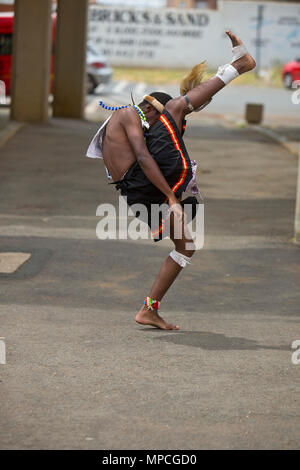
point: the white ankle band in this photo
(238, 52)
(179, 258)
(227, 73)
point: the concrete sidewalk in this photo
(287, 135)
(80, 373)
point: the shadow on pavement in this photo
(215, 341)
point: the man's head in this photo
(151, 108)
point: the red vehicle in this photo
(6, 32)
(291, 72)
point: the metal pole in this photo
(260, 9)
(297, 212)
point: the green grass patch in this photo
(155, 76)
(151, 76)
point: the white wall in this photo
(181, 38)
(134, 3)
(280, 29)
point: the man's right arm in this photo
(132, 126)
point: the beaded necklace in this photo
(116, 108)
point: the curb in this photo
(292, 147)
(9, 131)
(280, 139)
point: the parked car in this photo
(291, 72)
(97, 69)
(6, 32)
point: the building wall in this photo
(182, 37)
(7, 6)
(212, 4)
(181, 3)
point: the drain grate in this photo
(10, 262)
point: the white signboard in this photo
(171, 38)
(182, 37)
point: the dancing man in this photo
(152, 167)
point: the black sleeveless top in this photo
(165, 144)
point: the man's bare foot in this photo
(151, 317)
(245, 63)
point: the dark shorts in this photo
(165, 144)
(155, 215)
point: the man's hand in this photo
(176, 207)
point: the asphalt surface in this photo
(80, 373)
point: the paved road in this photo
(80, 373)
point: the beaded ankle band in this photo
(151, 304)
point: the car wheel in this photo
(288, 80)
(90, 85)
